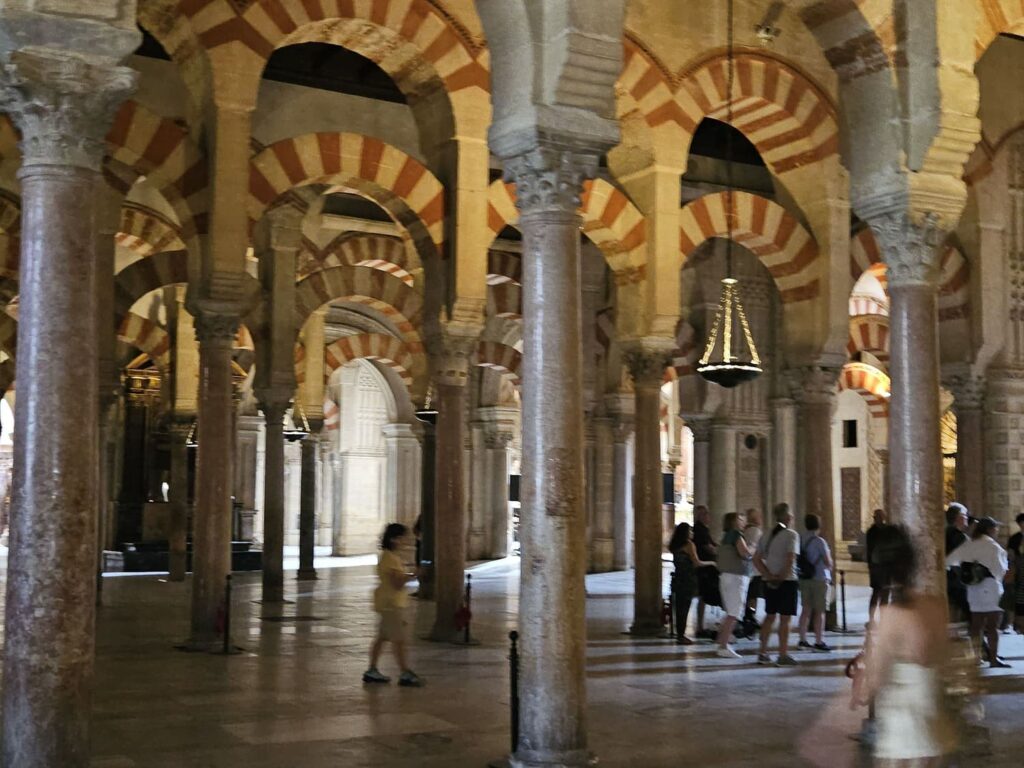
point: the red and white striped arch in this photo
(146, 336)
(871, 383)
(387, 350)
(414, 41)
(610, 220)
(505, 300)
(869, 333)
(781, 242)
(364, 285)
(790, 120)
(145, 275)
(504, 267)
(397, 182)
(994, 18)
(145, 232)
(499, 357)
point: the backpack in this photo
(974, 573)
(805, 569)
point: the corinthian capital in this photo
(215, 328)
(910, 249)
(813, 384)
(550, 180)
(451, 351)
(968, 390)
(63, 104)
(646, 363)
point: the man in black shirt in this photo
(707, 577)
(1015, 549)
(957, 521)
(874, 572)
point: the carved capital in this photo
(968, 391)
(451, 351)
(813, 384)
(550, 180)
(911, 250)
(63, 104)
(215, 328)
(700, 426)
(273, 406)
(646, 363)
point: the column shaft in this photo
(647, 370)
(602, 542)
(701, 428)
(622, 491)
(784, 447)
(273, 504)
(970, 459)
(307, 510)
(177, 537)
(49, 613)
(915, 453)
(449, 510)
(552, 625)
(211, 535)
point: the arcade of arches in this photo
(278, 272)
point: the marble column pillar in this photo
(814, 389)
(478, 539)
(622, 491)
(449, 509)
(402, 495)
(177, 534)
(723, 474)
(552, 629)
(647, 369)
(273, 501)
(784, 448)
(211, 520)
(911, 253)
(700, 426)
(307, 506)
(63, 104)
(602, 540)
(498, 438)
(968, 393)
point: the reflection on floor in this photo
(294, 698)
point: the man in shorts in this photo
(776, 562)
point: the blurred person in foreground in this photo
(903, 664)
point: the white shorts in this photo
(734, 593)
(984, 597)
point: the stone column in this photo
(273, 501)
(211, 520)
(911, 253)
(449, 508)
(62, 103)
(552, 629)
(814, 389)
(723, 474)
(402, 494)
(700, 426)
(602, 540)
(969, 396)
(477, 541)
(784, 447)
(177, 535)
(622, 491)
(498, 438)
(307, 506)
(647, 368)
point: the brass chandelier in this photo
(730, 356)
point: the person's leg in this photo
(700, 616)
(784, 621)
(684, 599)
(375, 649)
(805, 620)
(766, 631)
(819, 627)
(992, 633)
(398, 648)
(977, 626)
(725, 631)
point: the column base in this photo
(646, 630)
(577, 758)
(306, 575)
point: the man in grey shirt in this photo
(776, 562)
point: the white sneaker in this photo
(728, 653)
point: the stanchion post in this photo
(469, 610)
(842, 596)
(672, 605)
(513, 675)
(227, 614)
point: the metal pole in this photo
(842, 595)
(469, 614)
(227, 614)
(513, 670)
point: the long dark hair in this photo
(895, 561)
(391, 533)
(680, 537)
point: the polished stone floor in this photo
(293, 697)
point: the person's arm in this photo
(691, 550)
(743, 549)
(826, 557)
(955, 557)
(788, 569)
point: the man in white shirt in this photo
(776, 562)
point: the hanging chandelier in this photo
(730, 356)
